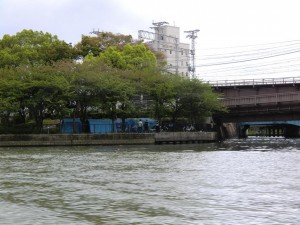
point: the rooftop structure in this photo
(166, 39)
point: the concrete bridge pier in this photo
(291, 131)
(243, 131)
(226, 130)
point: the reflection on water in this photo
(251, 181)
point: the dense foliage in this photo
(33, 48)
(40, 79)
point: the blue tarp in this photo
(104, 125)
(131, 124)
(101, 126)
(69, 126)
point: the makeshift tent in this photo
(69, 126)
(131, 124)
(101, 126)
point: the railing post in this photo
(253, 82)
(293, 80)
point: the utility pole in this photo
(192, 34)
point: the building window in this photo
(170, 52)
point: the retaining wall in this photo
(103, 139)
(185, 137)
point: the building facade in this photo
(166, 39)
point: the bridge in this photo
(261, 101)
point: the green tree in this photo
(30, 47)
(174, 97)
(10, 91)
(159, 87)
(161, 61)
(117, 97)
(96, 87)
(130, 57)
(43, 93)
(84, 91)
(103, 40)
(198, 100)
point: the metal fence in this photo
(255, 82)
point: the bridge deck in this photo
(262, 99)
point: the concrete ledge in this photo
(185, 137)
(21, 140)
(75, 139)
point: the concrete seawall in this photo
(22, 140)
(185, 137)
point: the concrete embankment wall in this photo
(104, 139)
(231, 130)
(185, 137)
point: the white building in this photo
(166, 39)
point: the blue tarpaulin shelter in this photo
(70, 125)
(101, 126)
(131, 124)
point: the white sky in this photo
(225, 26)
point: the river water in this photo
(252, 181)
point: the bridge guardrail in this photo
(262, 99)
(255, 82)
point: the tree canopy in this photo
(130, 57)
(30, 47)
(99, 43)
(116, 79)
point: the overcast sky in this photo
(226, 26)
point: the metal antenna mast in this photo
(97, 32)
(192, 34)
(157, 29)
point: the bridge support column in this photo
(292, 131)
(278, 132)
(243, 131)
(269, 132)
(226, 130)
(273, 132)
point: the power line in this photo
(251, 59)
(286, 62)
(272, 59)
(249, 52)
(246, 46)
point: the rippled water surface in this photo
(253, 181)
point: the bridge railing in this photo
(262, 99)
(255, 82)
